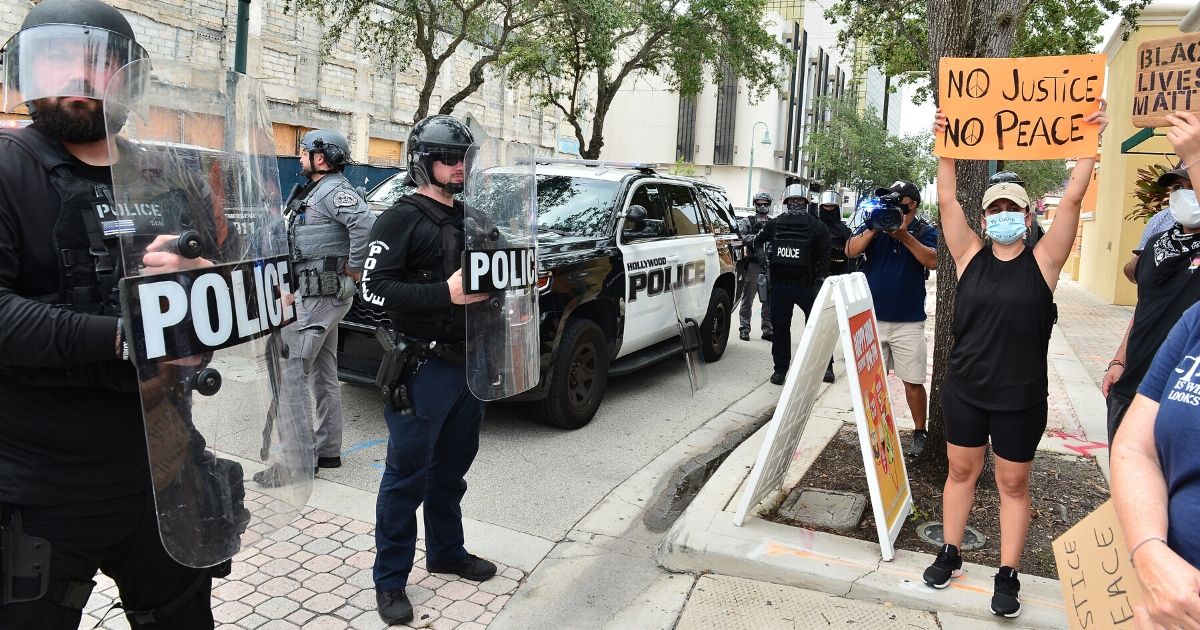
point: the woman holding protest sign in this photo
(996, 386)
(1155, 462)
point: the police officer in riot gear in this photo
(798, 254)
(829, 211)
(413, 272)
(753, 268)
(75, 486)
(328, 229)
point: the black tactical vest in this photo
(791, 253)
(449, 252)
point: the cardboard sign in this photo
(1100, 586)
(843, 311)
(1019, 109)
(876, 425)
(1168, 79)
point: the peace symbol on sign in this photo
(978, 83)
(972, 132)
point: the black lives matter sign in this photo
(1167, 80)
(1030, 108)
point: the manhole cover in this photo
(932, 534)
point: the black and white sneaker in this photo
(918, 445)
(1004, 599)
(947, 565)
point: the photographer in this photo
(753, 268)
(900, 250)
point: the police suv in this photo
(615, 242)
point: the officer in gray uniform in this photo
(328, 227)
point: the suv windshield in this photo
(389, 191)
(575, 206)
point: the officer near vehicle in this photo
(413, 272)
(798, 255)
(900, 251)
(753, 269)
(75, 485)
(829, 211)
(329, 226)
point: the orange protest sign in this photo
(1019, 109)
(1168, 77)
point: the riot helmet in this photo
(438, 138)
(829, 208)
(332, 145)
(795, 199)
(66, 48)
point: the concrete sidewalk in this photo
(770, 554)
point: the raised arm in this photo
(960, 239)
(1053, 249)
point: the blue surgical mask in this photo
(1006, 227)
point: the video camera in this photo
(886, 213)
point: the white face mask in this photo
(1185, 208)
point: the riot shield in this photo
(691, 306)
(503, 355)
(207, 285)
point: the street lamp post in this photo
(766, 139)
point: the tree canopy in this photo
(855, 149)
(577, 59)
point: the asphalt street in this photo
(541, 480)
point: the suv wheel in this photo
(578, 378)
(714, 332)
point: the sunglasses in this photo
(449, 158)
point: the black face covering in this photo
(830, 215)
(74, 125)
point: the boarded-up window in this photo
(287, 139)
(382, 152)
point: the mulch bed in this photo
(1064, 490)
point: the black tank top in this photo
(1003, 315)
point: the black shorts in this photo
(1015, 434)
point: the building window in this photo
(727, 85)
(685, 134)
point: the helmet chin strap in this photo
(316, 171)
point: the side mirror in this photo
(636, 214)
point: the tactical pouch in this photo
(24, 563)
(791, 253)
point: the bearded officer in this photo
(798, 255)
(329, 226)
(414, 273)
(74, 475)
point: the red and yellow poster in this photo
(888, 470)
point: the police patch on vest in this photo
(791, 252)
(192, 312)
(499, 270)
(343, 199)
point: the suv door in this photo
(695, 249)
(645, 249)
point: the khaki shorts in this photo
(904, 349)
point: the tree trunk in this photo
(959, 28)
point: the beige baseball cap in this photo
(1006, 190)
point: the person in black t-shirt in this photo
(1167, 285)
(73, 465)
(996, 384)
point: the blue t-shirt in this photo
(896, 278)
(1174, 381)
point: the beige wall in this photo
(1108, 239)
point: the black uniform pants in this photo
(120, 538)
(428, 455)
(784, 300)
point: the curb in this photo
(705, 539)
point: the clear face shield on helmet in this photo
(62, 60)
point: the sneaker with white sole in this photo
(948, 565)
(1004, 598)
